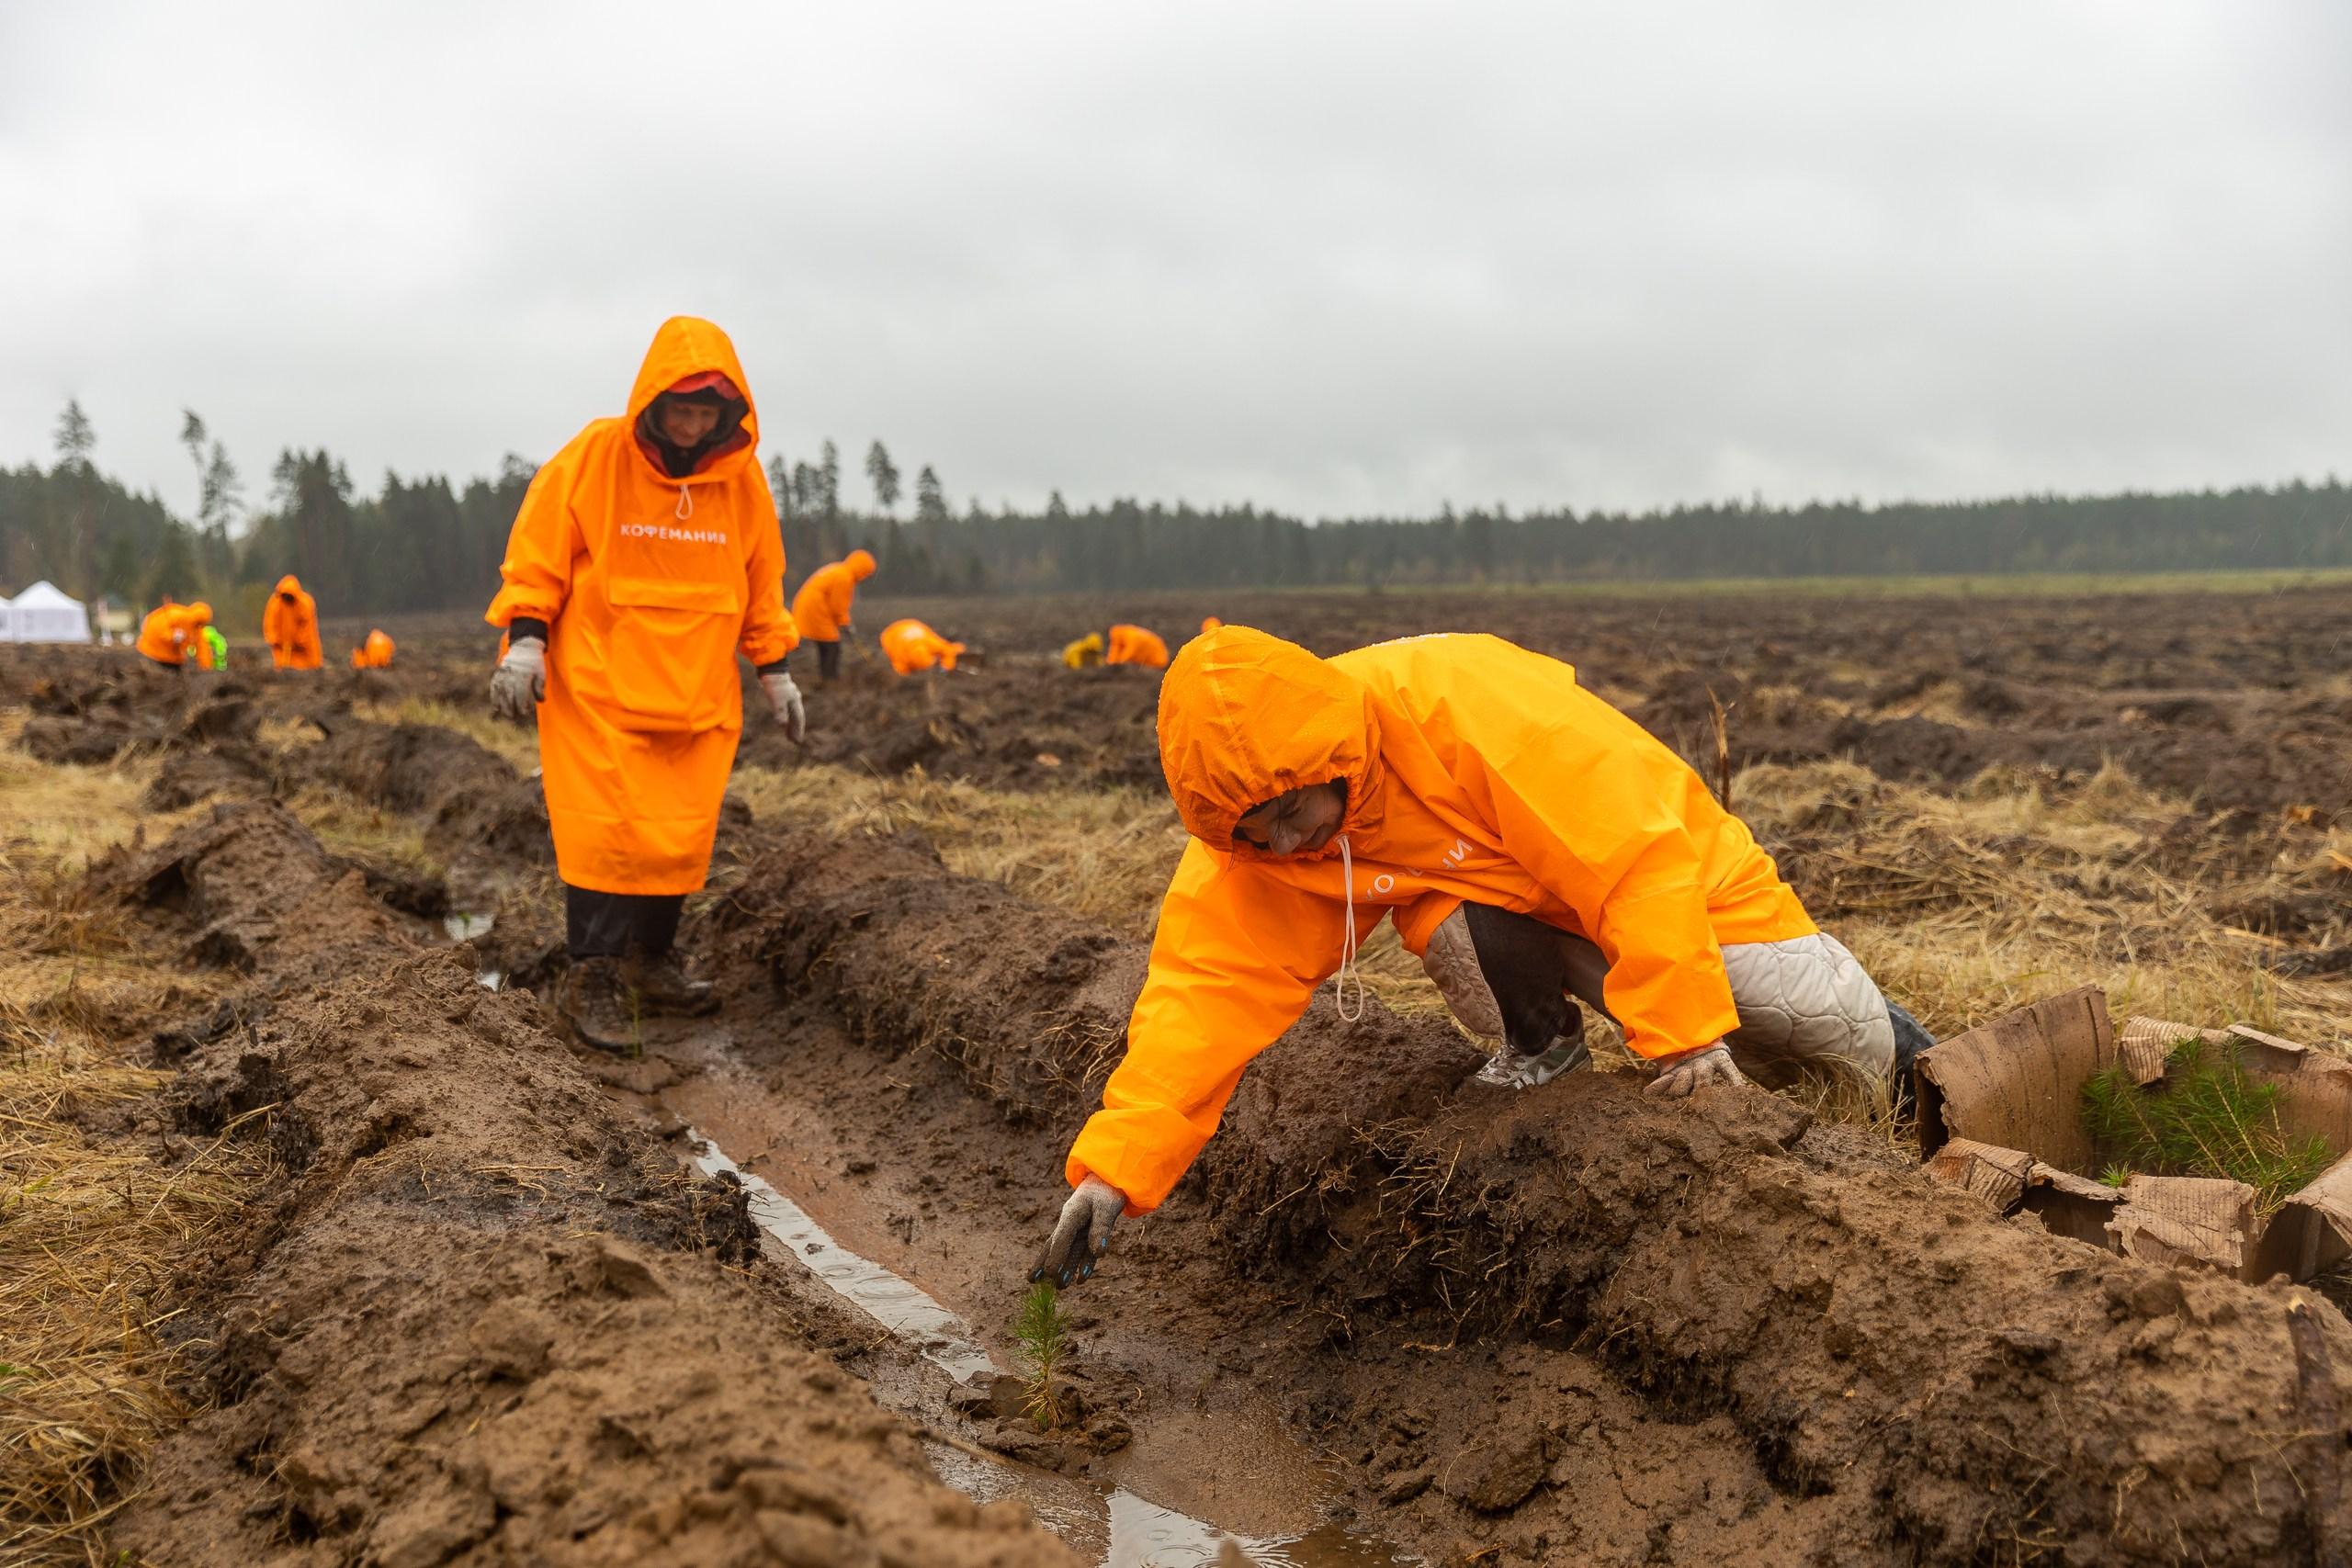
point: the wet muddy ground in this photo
(730, 1301)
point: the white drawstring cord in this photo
(685, 507)
(1348, 940)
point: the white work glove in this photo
(1703, 1068)
(1081, 1234)
(784, 700)
(520, 681)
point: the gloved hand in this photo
(1703, 1068)
(784, 699)
(1081, 1234)
(520, 681)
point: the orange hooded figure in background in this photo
(821, 608)
(290, 623)
(649, 583)
(912, 646)
(170, 632)
(376, 653)
(1135, 645)
(1474, 770)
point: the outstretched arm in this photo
(1236, 961)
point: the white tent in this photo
(42, 613)
(7, 619)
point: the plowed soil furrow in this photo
(479, 1318)
(1907, 1378)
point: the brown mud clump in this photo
(477, 1318)
(1850, 1363)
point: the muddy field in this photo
(487, 1304)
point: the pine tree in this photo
(884, 473)
(75, 437)
(931, 500)
(828, 482)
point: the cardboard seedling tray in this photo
(2000, 1113)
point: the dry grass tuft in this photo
(94, 1221)
(1102, 853)
(93, 1230)
(350, 826)
(2016, 887)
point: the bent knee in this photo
(1807, 1000)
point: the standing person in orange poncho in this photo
(290, 623)
(645, 557)
(821, 608)
(1531, 844)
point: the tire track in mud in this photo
(478, 1317)
(1529, 1312)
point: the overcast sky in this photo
(1334, 257)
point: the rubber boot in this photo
(662, 985)
(599, 1007)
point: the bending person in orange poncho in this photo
(645, 557)
(912, 648)
(1531, 844)
(821, 609)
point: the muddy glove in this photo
(784, 700)
(1703, 1068)
(520, 681)
(1081, 1234)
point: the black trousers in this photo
(828, 657)
(612, 925)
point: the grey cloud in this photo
(1335, 258)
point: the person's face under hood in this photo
(1245, 718)
(692, 365)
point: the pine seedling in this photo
(1044, 1333)
(2205, 1117)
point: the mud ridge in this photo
(478, 1317)
(1947, 1386)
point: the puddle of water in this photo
(1144, 1535)
(1132, 1531)
(894, 1303)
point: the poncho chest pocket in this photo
(669, 659)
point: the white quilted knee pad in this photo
(1806, 1001)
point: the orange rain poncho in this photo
(821, 607)
(1133, 645)
(290, 623)
(1209, 623)
(1475, 770)
(170, 632)
(911, 646)
(649, 586)
(376, 653)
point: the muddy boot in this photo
(599, 1007)
(662, 985)
(1509, 1069)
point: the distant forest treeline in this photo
(427, 543)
